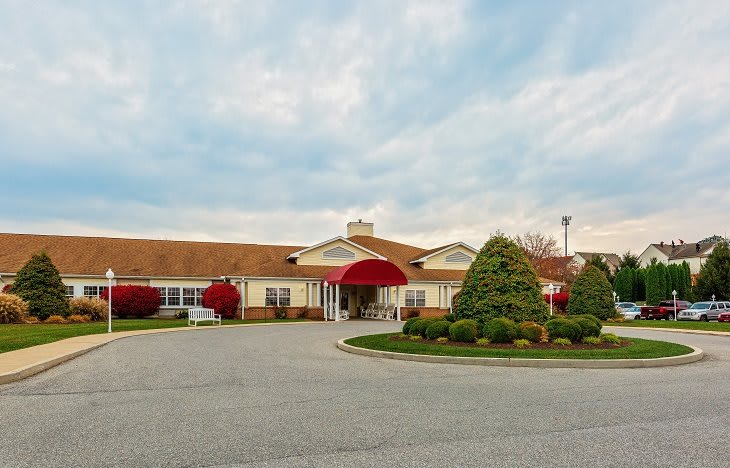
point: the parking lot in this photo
(286, 396)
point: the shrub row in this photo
(573, 328)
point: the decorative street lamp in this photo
(614, 297)
(552, 290)
(674, 294)
(110, 277)
(713, 298)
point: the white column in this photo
(325, 302)
(243, 298)
(448, 298)
(397, 300)
(318, 299)
(332, 302)
(309, 294)
(337, 301)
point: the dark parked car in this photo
(665, 310)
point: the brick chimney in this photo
(359, 228)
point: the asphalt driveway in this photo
(286, 396)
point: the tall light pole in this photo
(110, 277)
(566, 223)
(552, 290)
(674, 294)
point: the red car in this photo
(724, 317)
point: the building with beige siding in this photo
(268, 276)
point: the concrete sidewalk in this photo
(22, 363)
(670, 330)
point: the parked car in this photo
(632, 313)
(665, 310)
(704, 311)
(621, 306)
(724, 317)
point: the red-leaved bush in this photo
(223, 298)
(560, 301)
(137, 301)
(7, 288)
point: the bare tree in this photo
(545, 256)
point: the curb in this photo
(673, 330)
(85, 343)
(694, 356)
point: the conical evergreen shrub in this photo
(40, 285)
(592, 294)
(501, 283)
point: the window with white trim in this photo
(69, 291)
(94, 291)
(415, 298)
(192, 296)
(169, 296)
(278, 297)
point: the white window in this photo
(415, 298)
(169, 296)
(278, 297)
(69, 291)
(94, 291)
(192, 296)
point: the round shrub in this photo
(449, 318)
(563, 328)
(13, 309)
(464, 331)
(501, 282)
(224, 298)
(500, 330)
(7, 288)
(592, 294)
(92, 307)
(135, 301)
(531, 331)
(587, 327)
(610, 338)
(55, 319)
(279, 313)
(39, 284)
(438, 329)
(562, 342)
(409, 323)
(590, 317)
(419, 328)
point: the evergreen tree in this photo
(662, 273)
(501, 282)
(688, 282)
(601, 264)
(623, 285)
(40, 285)
(714, 275)
(629, 260)
(653, 285)
(641, 284)
(674, 279)
(592, 294)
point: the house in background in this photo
(612, 260)
(268, 276)
(694, 253)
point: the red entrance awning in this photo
(371, 272)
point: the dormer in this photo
(333, 252)
(449, 257)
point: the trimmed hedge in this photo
(592, 294)
(500, 330)
(501, 282)
(563, 328)
(531, 331)
(419, 328)
(464, 331)
(224, 298)
(409, 323)
(587, 326)
(449, 318)
(590, 317)
(438, 329)
(135, 301)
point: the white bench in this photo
(201, 315)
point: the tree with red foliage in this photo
(130, 300)
(560, 301)
(7, 288)
(223, 298)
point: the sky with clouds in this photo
(278, 122)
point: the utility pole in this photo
(566, 223)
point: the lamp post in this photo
(614, 297)
(674, 294)
(551, 288)
(566, 223)
(110, 277)
(713, 298)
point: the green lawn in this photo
(16, 336)
(684, 325)
(639, 349)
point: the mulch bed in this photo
(575, 346)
